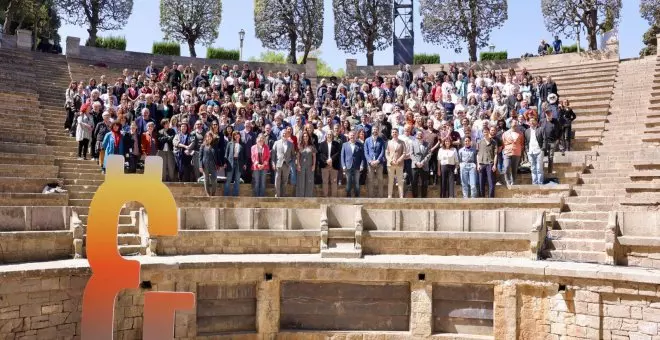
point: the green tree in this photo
(650, 41)
(561, 15)
(191, 21)
(363, 26)
(97, 15)
(293, 25)
(451, 23)
(39, 16)
(650, 11)
(270, 57)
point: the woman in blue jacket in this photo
(113, 143)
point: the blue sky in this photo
(520, 34)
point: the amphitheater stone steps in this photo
(64, 148)
(579, 233)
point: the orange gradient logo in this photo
(110, 271)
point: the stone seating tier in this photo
(511, 233)
(35, 233)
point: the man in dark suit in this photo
(352, 162)
(330, 163)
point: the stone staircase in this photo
(80, 177)
(341, 231)
(579, 233)
(26, 161)
(588, 86)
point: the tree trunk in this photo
(293, 37)
(305, 55)
(191, 48)
(472, 48)
(592, 29)
(370, 54)
(92, 36)
(8, 18)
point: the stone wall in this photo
(298, 231)
(239, 242)
(35, 234)
(252, 298)
(139, 61)
(637, 239)
(556, 60)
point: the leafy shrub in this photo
(569, 48)
(113, 43)
(423, 58)
(221, 53)
(502, 55)
(166, 48)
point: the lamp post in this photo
(241, 36)
(577, 32)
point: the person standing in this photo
(352, 162)
(552, 132)
(281, 157)
(248, 138)
(305, 163)
(567, 117)
(182, 150)
(235, 163)
(330, 163)
(534, 142)
(165, 138)
(84, 133)
(487, 160)
(447, 160)
(467, 157)
(132, 141)
(420, 156)
(513, 142)
(112, 143)
(197, 136)
(395, 153)
(374, 150)
(208, 164)
(260, 155)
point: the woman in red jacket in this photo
(260, 155)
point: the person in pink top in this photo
(260, 155)
(513, 142)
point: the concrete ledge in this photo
(28, 246)
(550, 203)
(639, 241)
(447, 235)
(27, 199)
(34, 218)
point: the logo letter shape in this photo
(111, 273)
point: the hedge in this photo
(423, 58)
(221, 53)
(503, 55)
(569, 49)
(166, 48)
(113, 43)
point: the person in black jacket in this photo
(566, 118)
(534, 146)
(552, 131)
(329, 161)
(166, 150)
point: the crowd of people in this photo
(471, 128)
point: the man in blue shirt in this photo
(556, 45)
(364, 125)
(374, 151)
(352, 162)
